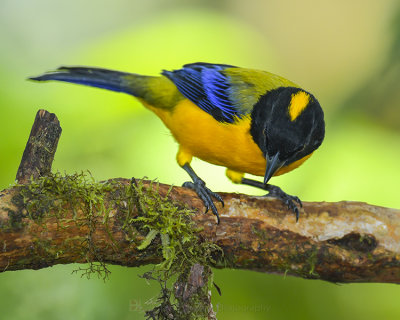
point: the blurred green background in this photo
(345, 52)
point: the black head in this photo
(287, 124)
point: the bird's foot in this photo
(205, 195)
(287, 199)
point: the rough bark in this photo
(40, 148)
(340, 242)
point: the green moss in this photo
(300, 262)
(166, 225)
(261, 234)
(15, 220)
(306, 262)
(181, 249)
(57, 193)
(312, 260)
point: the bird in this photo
(247, 120)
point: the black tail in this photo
(94, 77)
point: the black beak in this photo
(273, 164)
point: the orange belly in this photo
(224, 144)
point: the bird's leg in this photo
(278, 193)
(184, 157)
(202, 191)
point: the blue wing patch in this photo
(207, 87)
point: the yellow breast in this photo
(225, 144)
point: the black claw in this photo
(298, 201)
(276, 192)
(219, 198)
(287, 199)
(205, 195)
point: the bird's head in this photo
(287, 125)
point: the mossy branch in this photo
(339, 242)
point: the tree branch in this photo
(339, 242)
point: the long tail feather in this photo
(94, 77)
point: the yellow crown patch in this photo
(298, 103)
